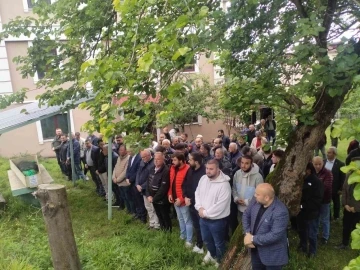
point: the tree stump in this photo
(57, 218)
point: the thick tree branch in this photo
(328, 19)
(300, 8)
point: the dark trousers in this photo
(336, 202)
(126, 195)
(116, 190)
(233, 217)
(308, 230)
(163, 213)
(139, 204)
(258, 265)
(349, 223)
(57, 153)
(196, 224)
(271, 134)
(83, 161)
(213, 235)
(99, 187)
(64, 168)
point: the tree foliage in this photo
(199, 98)
(278, 55)
(130, 48)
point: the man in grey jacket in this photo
(245, 182)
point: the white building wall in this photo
(5, 78)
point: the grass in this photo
(120, 243)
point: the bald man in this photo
(326, 177)
(265, 222)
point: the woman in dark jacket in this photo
(157, 189)
(311, 200)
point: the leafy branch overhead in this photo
(126, 49)
(184, 106)
(281, 53)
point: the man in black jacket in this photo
(141, 202)
(333, 164)
(311, 200)
(158, 184)
(189, 187)
(92, 154)
(225, 139)
(63, 155)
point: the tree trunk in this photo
(237, 256)
(289, 175)
(57, 218)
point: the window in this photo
(45, 57)
(190, 67)
(48, 125)
(194, 120)
(29, 4)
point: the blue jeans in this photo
(185, 222)
(213, 235)
(324, 220)
(125, 194)
(78, 171)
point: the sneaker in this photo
(208, 258)
(198, 250)
(87, 178)
(188, 245)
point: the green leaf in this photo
(357, 192)
(355, 243)
(145, 62)
(182, 21)
(352, 166)
(203, 11)
(180, 52)
(105, 107)
(354, 178)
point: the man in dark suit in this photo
(131, 172)
(334, 165)
(265, 222)
(92, 154)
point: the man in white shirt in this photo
(212, 200)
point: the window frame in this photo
(28, 9)
(36, 75)
(40, 132)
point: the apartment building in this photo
(36, 137)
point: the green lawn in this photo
(120, 243)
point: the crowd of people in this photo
(212, 187)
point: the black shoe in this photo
(324, 241)
(116, 204)
(121, 207)
(135, 216)
(342, 246)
